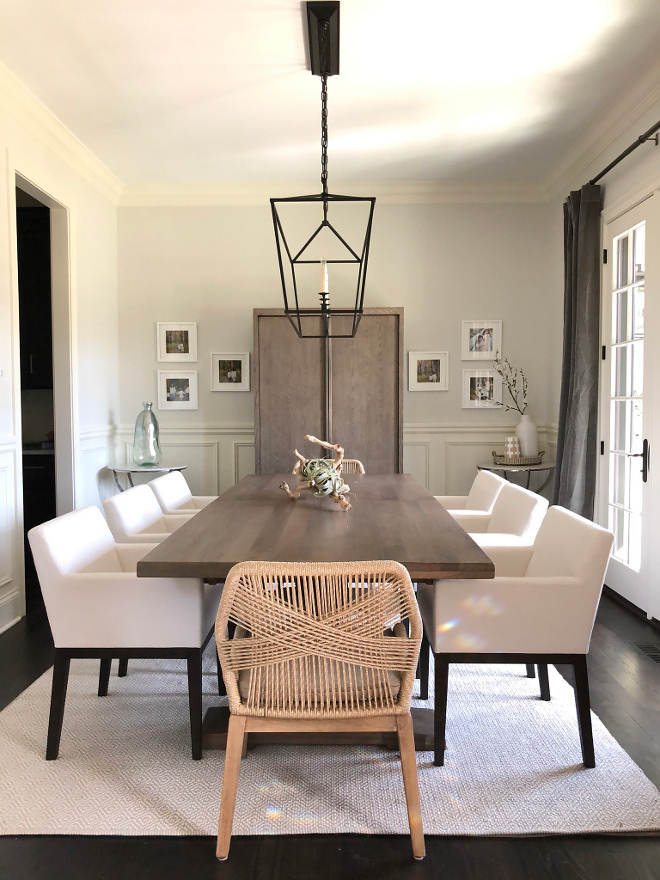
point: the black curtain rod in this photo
(640, 140)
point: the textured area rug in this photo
(512, 766)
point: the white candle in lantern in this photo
(324, 277)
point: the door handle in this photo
(645, 455)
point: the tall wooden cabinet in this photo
(363, 378)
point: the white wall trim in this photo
(625, 114)
(106, 433)
(26, 108)
(195, 430)
(11, 598)
(388, 193)
(438, 428)
(630, 200)
(237, 461)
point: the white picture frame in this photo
(176, 342)
(428, 371)
(481, 340)
(230, 371)
(482, 389)
(177, 389)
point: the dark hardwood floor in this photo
(625, 690)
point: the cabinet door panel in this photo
(366, 393)
(289, 389)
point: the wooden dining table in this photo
(391, 517)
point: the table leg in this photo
(130, 479)
(545, 482)
(117, 483)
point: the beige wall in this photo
(442, 263)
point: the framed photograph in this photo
(481, 340)
(428, 371)
(481, 388)
(177, 389)
(230, 372)
(176, 342)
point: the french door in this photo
(631, 317)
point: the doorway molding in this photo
(64, 397)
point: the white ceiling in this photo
(169, 92)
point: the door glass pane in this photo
(621, 269)
(639, 256)
(636, 484)
(621, 418)
(622, 371)
(638, 312)
(618, 476)
(637, 371)
(621, 316)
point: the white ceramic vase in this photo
(528, 435)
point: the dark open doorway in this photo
(33, 223)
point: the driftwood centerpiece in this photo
(319, 475)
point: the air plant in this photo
(516, 384)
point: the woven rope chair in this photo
(318, 647)
(352, 466)
(348, 466)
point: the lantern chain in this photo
(324, 114)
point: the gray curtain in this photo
(577, 453)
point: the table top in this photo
(392, 517)
(132, 468)
(491, 466)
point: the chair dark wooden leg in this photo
(222, 690)
(440, 711)
(57, 700)
(104, 676)
(123, 667)
(583, 705)
(194, 661)
(544, 683)
(423, 667)
(530, 671)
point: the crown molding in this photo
(388, 193)
(596, 146)
(31, 113)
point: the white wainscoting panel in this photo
(443, 458)
(95, 481)
(244, 454)
(416, 456)
(12, 594)
(215, 457)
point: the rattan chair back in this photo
(348, 466)
(316, 640)
(352, 466)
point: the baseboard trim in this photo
(629, 606)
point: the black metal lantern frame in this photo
(323, 29)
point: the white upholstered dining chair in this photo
(318, 647)
(514, 520)
(135, 516)
(97, 607)
(542, 615)
(481, 497)
(174, 495)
